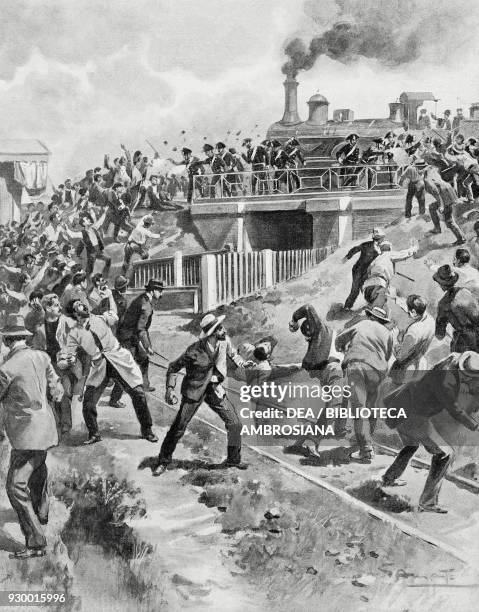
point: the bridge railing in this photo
(222, 278)
(274, 183)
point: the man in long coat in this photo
(25, 378)
(109, 360)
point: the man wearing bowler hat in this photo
(460, 308)
(205, 362)
(26, 376)
(422, 400)
(119, 295)
(134, 330)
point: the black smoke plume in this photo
(346, 42)
(394, 32)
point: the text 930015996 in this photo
(31, 598)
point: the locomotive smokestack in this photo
(290, 116)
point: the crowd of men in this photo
(67, 336)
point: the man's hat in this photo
(378, 313)
(469, 364)
(446, 276)
(209, 323)
(14, 326)
(447, 112)
(246, 141)
(390, 135)
(220, 145)
(154, 284)
(276, 143)
(232, 150)
(121, 282)
(185, 150)
(293, 141)
(352, 135)
(207, 147)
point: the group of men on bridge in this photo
(227, 169)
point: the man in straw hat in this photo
(459, 307)
(367, 347)
(422, 400)
(205, 362)
(26, 377)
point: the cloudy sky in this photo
(85, 75)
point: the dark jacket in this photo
(436, 391)
(136, 323)
(228, 160)
(280, 159)
(349, 154)
(368, 253)
(200, 365)
(217, 164)
(256, 155)
(294, 154)
(460, 308)
(121, 305)
(85, 243)
(319, 346)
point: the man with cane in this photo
(134, 331)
